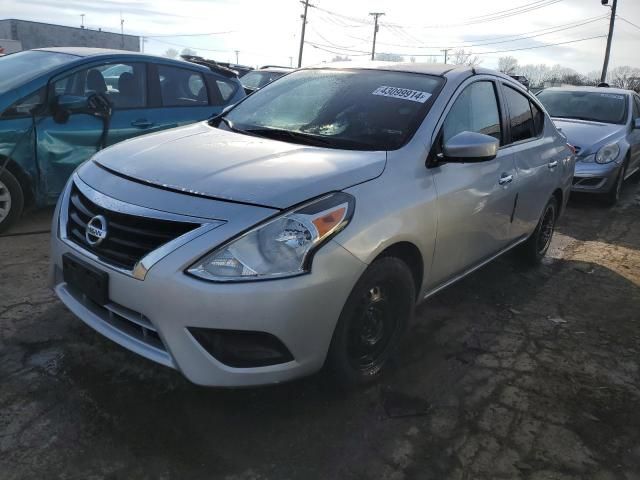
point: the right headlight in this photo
(608, 153)
(281, 247)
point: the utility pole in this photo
(122, 30)
(291, 61)
(375, 32)
(82, 20)
(304, 25)
(612, 24)
(237, 53)
(446, 54)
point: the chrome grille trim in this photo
(142, 267)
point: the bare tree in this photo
(171, 53)
(389, 57)
(188, 51)
(462, 57)
(508, 65)
(625, 77)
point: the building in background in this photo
(9, 46)
(39, 35)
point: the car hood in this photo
(203, 160)
(588, 136)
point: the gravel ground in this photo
(511, 373)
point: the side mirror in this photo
(470, 147)
(65, 105)
(72, 103)
(636, 124)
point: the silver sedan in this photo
(603, 124)
(299, 229)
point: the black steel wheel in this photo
(535, 248)
(372, 322)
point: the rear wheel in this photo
(611, 198)
(11, 200)
(536, 246)
(372, 322)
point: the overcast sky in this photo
(268, 32)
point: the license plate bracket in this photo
(85, 278)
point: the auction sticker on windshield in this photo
(402, 93)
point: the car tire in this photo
(11, 200)
(533, 250)
(612, 197)
(372, 323)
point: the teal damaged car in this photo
(58, 106)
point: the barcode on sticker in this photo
(402, 93)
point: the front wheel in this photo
(11, 200)
(372, 322)
(613, 196)
(535, 248)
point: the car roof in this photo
(89, 52)
(437, 69)
(620, 91)
(86, 52)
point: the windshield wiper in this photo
(295, 136)
(573, 117)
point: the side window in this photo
(180, 87)
(124, 84)
(227, 89)
(636, 107)
(475, 110)
(538, 119)
(24, 107)
(522, 126)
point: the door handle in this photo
(142, 123)
(505, 179)
(553, 164)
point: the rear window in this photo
(17, 68)
(605, 107)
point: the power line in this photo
(347, 51)
(627, 21)
(507, 39)
(497, 16)
(541, 46)
(537, 4)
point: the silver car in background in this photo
(299, 229)
(603, 124)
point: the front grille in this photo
(129, 237)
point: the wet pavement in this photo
(513, 373)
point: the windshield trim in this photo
(412, 127)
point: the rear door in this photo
(537, 156)
(475, 199)
(634, 136)
(63, 145)
(183, 95)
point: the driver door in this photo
(64, 143)
(475, 199)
